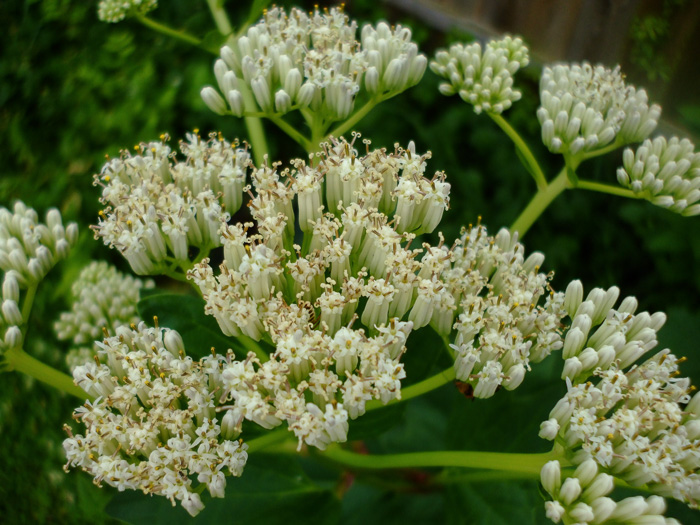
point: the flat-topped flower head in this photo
(664, 171)
(585, 107)
(483, 78)
(312, 60)
(635, 425)
(157, 206)
(154, 424)
(504, 311)
(29, 249)
(117, 10)
(103, 298)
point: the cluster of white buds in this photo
(158, 207)
(154, 426)
(117, 10)
(666, 172)
(621, 337)
(312, 60)
(28, 251)
(582, 498)
(483, 78)
(500, 326)
(634, 425)
(584, 108)
(104, 299)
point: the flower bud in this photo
(282, 101)
(235, 101)
(173, 342)
(11, 313)
(602, 485)
(213, 100)
(549, 429)
(13, 337)
(573, 297)
(570, 491)
(629, 508)
(550, 475)
(10, 288)
(586, 472)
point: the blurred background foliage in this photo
(73, 89)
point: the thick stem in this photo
(530, 161)
(539, 203)
(19, 360)
(501, 461)
(258, 142)
(418, 389)
(169, 31)
(271, 438)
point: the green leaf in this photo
(363, 505)
(376, 422)
(185, 313)
(272, 490)
(495, 503)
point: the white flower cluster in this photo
(500, 327)
(482, 78)
(584, 108)
(158, 207)
(583, 498)
(634, 425)
(153, 425)
(666, 172)
(28, 251)
(312, 60)
(104, 299)
(117, 10)
(305, 301)
(621, 338)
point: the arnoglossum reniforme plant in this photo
(313, 280)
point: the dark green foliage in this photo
(73, 89)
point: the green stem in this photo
(448, 477)
(418, 389)
(354, 118)
(531, 163)
(271, 438)
(258, 142)
(256, 133)
(176, 275)
(250, 345)
(293, 133)
(502, 461)
(19, 360)
(28, 302)
(539, 203)
(607, 188)
(602, 151)
(169, 31)
(220, 17)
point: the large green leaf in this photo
(273, 491)
(185, 313)
(495, 503)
